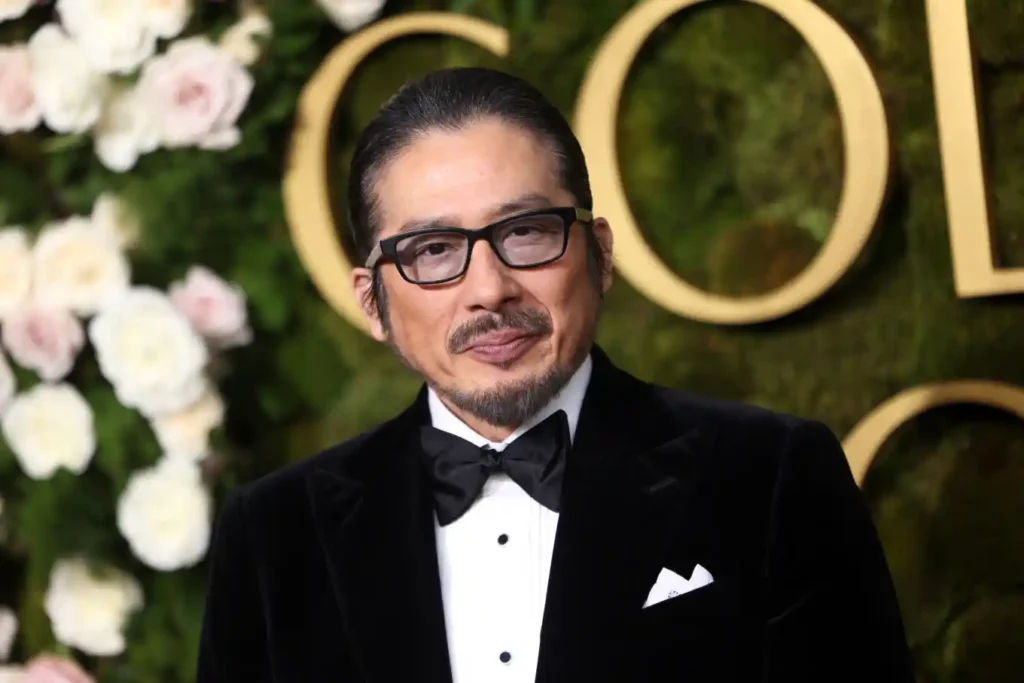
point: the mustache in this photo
(530, 322)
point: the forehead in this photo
(467, 177)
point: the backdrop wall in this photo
(731, 154)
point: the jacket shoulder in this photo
(282, 493)
(742, 430)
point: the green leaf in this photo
(63, 143)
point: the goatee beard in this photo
(510, 404)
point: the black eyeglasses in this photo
(434, 255)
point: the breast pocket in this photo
(701, 635)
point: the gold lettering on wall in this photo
(866, 438)
(866, 162)
(307, 188)
(956, 105)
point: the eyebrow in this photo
(526, 202)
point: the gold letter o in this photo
(307, 196)
(866, 164)
(864, 440)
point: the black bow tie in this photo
(535, 461)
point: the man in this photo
(537, 513)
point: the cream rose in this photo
(215, 308)
(196, 92)
(164, 513)
(69, 90)
(89, 611)
(12, 9)
(112, 216)
(78, 267)
(8, 630)
(149, 352)
(19, 109)
(125, 131)
(12, 674)
(167, 18)
(49, 427)
(351, 15)
(8, 384)
(242, 41)
(15, 270)
(46, 340)
(185, 435)
(114, 34)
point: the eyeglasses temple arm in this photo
(374, 256)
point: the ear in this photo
(362, 286)
(603, 233)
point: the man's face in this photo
(496, 335)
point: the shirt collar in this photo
(569, 399)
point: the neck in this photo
(487, 430)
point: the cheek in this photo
(419, 318)
(569, 297)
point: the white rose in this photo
(11, 674)
(48, 427)
(149, 352)
(112, 216)
(70, 92)
(196, 92)
(89, 611)
(15, 270)
(185, 435)
(19, 108)
(164, 513)
(350, 15)
(8, 630)
(46, 340)
(12, 9)
(8, 385)
(167, 18)
(78, 267)
(126, 130)
(114, 34)
(242, 41)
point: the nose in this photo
(488, 283)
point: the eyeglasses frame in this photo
(388, 247)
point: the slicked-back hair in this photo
(449, 100)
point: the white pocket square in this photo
(670, 584)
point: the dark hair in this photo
(450, 99)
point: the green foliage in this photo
(731, 154)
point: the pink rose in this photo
(53, 669)
(43, 339)
(195, 94)
(19, 109)
(215, 308)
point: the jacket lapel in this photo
(375, 521)
(629, 479)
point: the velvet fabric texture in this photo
(326, 571)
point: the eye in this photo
(433, 249)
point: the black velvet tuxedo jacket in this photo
(326, 571)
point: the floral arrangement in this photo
(115, 346)
(155, 349)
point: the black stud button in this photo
(505, 657)
(503, 539)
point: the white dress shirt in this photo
(494, 560)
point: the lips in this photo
(502, 347)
